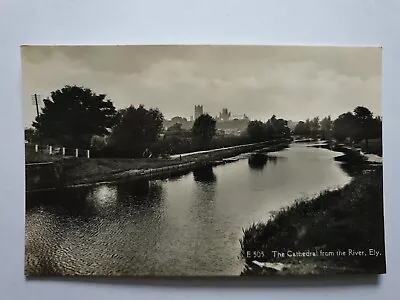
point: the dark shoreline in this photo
(75, 172)
(354, 211)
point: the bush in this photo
(348, 218)
(98, 142)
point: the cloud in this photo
(292, 84)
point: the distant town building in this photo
(185, 124)
(225, 115)
(231, 124)
(291, 124)
(227, 123)
(178, 119)
(198, 111)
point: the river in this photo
(187, 225)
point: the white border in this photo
(304, 22)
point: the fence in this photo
(37, 149)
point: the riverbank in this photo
(353, 160)
(77, 171)
(304, 239)
(374, 146)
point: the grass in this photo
(33, 157)
(82, 170)
(374, 146)
(99, 169)
(343, 219)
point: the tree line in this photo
(77, 117)
(354, 126)
(274, 128)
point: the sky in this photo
(292, 82)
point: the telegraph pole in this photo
(37, 105)
(35, 101)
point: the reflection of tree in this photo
(206, 215)
(175, 176)
(204, 193)
(260, 160)
(257, 161)
(273, 159)
(71, 202)
(204, 174)
(139, 193)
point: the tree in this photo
(302, 129)
(376, 130)
(308, 126)
(257, 131)
(137, 129)
(176, 128)
(364, 122)
(344, 126)
(277, 128)
(204, 128)
(72, 115)
(314, 124)
(31, 135)
(326, 127)
(98, 142)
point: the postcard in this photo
(203, 160)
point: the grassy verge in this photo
(93, 170)
(349, 219)
(32, 157)
(81, 170)
(374, 146)
(99, 169)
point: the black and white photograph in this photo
(203, 160)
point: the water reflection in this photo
(205, 192)
(175, 176)
(87, 202)
(257, 161)
(70, 202)
(106, 228)
(103, 197)
(204, 174)
(189, 225)
(140, 193)
(135, 188)
(273, 159)
(205, 215)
